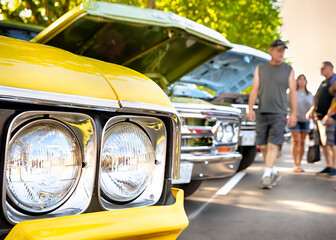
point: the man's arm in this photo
(293, 100)
(332, 89)
(327, 118)
(253, 95)
(309, 114)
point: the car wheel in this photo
(189, 188)
(249, 153)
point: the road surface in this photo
(301, 206)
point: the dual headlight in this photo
(44, 164)
(127, 162)
(226, 133)
(47, 160)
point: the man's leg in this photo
(334, 157)
(275, 140)
(267, 171)
(272, 155)
(323, 134)
(270, 176)
(332, 172)
(263, 149)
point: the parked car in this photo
(169, 61)
(222, 79)
(209, 144)
(89, 148)
(19, 30)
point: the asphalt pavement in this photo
(301, 206)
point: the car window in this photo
(17, 33)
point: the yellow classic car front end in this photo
(88, 149)
(156, 222)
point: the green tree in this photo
(254, 23)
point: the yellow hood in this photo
(44, 68)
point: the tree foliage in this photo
(254, 23)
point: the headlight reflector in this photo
(127, 163)
(43, 165)
(219, 134)
(228, 133)
(235, 133)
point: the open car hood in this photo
(229, 72)
(162, 45)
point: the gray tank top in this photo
(273, 84)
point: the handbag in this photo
(314, 154)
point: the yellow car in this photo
(89, 148)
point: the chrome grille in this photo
(199, 126)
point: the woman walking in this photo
(301, 129)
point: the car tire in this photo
(249, 153)
(189, 188)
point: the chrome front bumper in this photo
(207, 166)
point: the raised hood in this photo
(45, 69)
(162, 45)
(229, 72)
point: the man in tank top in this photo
(270, 84)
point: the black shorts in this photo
(270, 128)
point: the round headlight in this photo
(228, 133)
(43, 165)
(127, 163)
(219, 133)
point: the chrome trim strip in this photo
(211, 157)
(208, 148)
(248, 123)
(56, 99)
(247, 128)
(153, 109)
(146, 106)
(213, 116)
(205, 107)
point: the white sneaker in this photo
(275, 178)
(266, 183)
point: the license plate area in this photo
(248, 138)
(185, 173)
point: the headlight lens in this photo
(228, 133)
(235, 133)
(43, 165)
(219, 133)
(127, 163)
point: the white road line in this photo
(195, 213)
(222, 191)
(231, 183)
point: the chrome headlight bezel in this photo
(219, 132)
(85, 131)
(36, 165)
(225, 132)
(155, 129)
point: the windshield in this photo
(229, 72)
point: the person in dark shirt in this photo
(324, 123)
